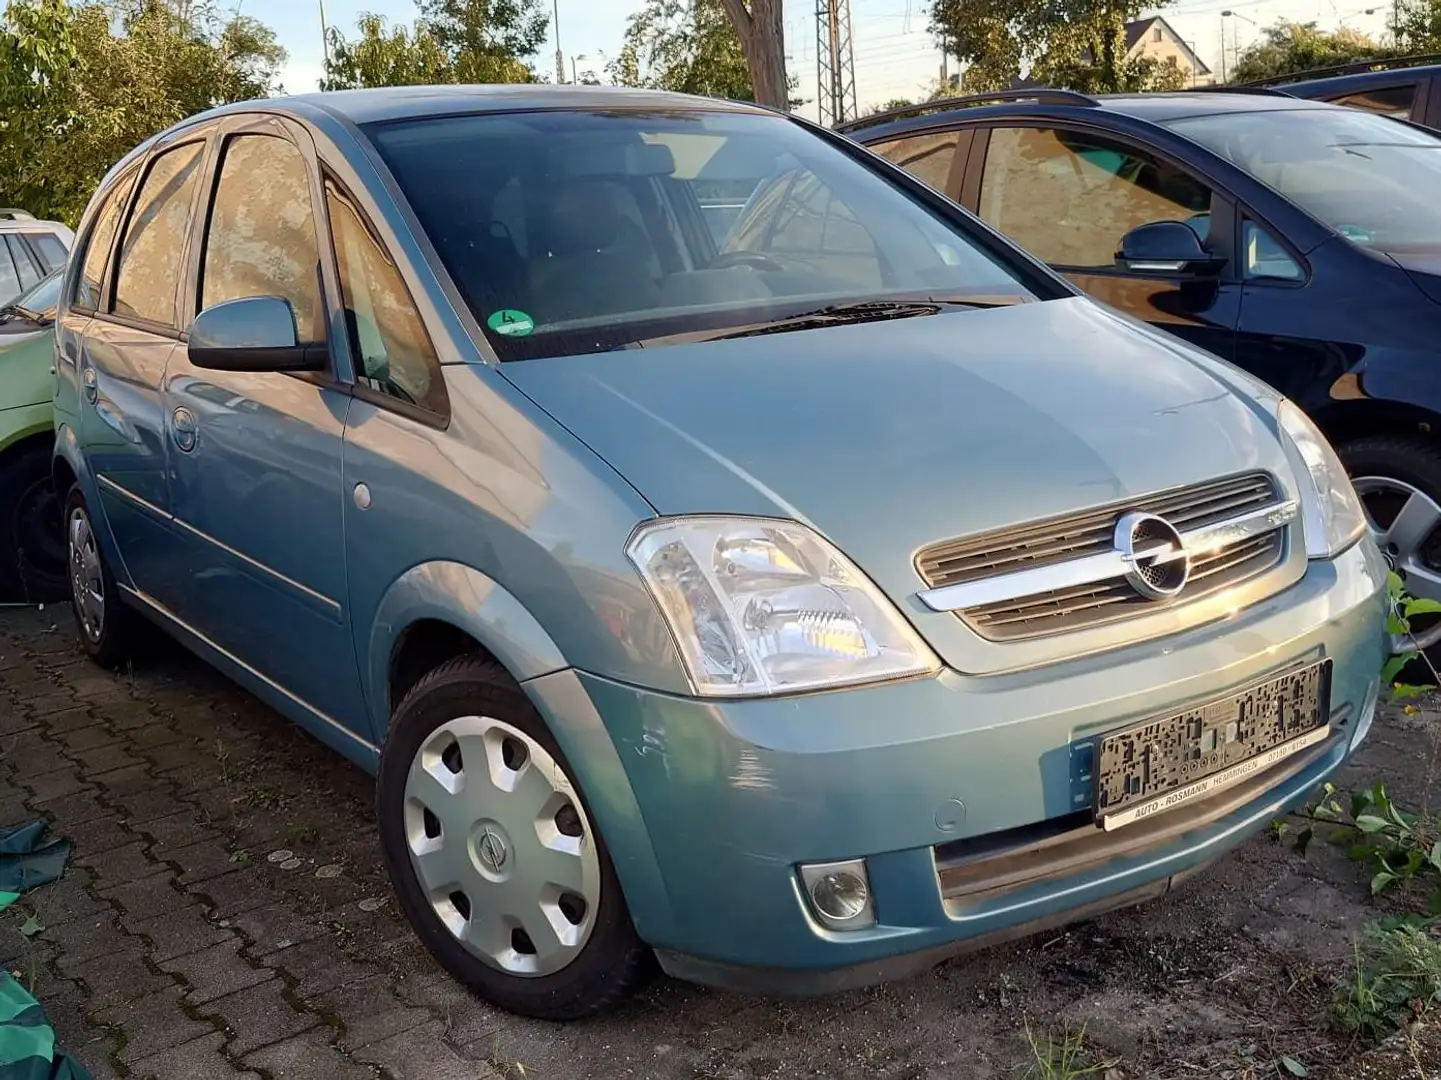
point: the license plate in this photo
(1163, 763)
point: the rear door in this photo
(935, 157)
(256, 456)
(134, 329)
(1069, 195)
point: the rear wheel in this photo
(32, 538)
(493, 854)
(104, 625)
(1399, 482)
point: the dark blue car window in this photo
(578, 231)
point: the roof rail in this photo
(1355, 67)
(1040, 94)
(1243, 88)
(16, 214)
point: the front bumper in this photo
(967, 796)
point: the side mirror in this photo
(1166, 249)
(254, 333)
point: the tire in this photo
(107, 632)
(1391, 472)
(32, 538)
(470, 711)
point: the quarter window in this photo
(29, 272)
(261, 237)
(393, 353)
(148, 268)
(97, 248)
(9, 276)
(926, 157)
(1265, 258)
(51, 251)
(1070, 198)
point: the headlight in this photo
(1332, 514)
(759, 606)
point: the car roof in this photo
(409, 102)
(1157, 108)
(1358, 80)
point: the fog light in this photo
(839, 894)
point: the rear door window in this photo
(928, 158)
(1397, 101)
(25, 266)
(147, 275)
(50, 249)
(97, 247)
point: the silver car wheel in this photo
(87, 582)
(1402, 519)
(501, 846)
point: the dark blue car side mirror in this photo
(1166, 249)
(254, 333)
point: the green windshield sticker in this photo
(511, 323)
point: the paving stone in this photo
(184, 754)
(14, 720)
(177, 831)
(260, 1016)
(44, 705)
(156, 801)
(31, 754)
(93, 836)
(118, 865)
(231, 894)
(66, 899)
(77, 719)
(152, 1023)
(179, 932)
(216, 971)
(123, 716)
(307, 1056)
(276, 926)
(190, 1061)
(76, 809)
(370, 1011)
(55, 784)
(318, 966)
(104, 759)
(82, 740)
(207, 859)
(128, 781)
(116, 977)
(154, 735)
(86, 938)
(467, 1018)
(13, 808)
(421, 1054)
(153, 895)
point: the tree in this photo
(1418, 26)
(1288, 47)
(686, 46)
(81, 86)
(453, 41)
(762, 36)
(1078, 44)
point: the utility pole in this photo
(559, 56)
(324, 37)
(836, 62)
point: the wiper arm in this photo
(836, 315)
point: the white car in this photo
(29, 249)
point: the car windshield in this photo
(41, 300)
(1371, 178)
(580, 231)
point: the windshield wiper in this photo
(836, 315)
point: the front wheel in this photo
(493, 854)
(1398, 479)
(32, 538)
(105, 627)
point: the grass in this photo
(1063, 1057)
(1395, 981)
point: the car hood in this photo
(1424, 269)
(889, 436)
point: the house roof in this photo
(1136, 33)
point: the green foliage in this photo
(1396, 979)
(452, 41)
(1417, 26)
(683, 46)
(1293, 46)
(1076, 44)
(1393, 844)
(1059, 1057)
(81, 86)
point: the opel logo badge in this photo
(1157, 564)
(491, 850)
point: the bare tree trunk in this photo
(762, 34)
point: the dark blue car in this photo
(1298, 239)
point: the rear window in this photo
(573, 232)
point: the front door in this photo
(256, 457)
(1069, 197)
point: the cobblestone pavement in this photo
(225, 915)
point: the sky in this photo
(895, 56)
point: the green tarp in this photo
(27, 1041)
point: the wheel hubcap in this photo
(501, 846)
(1404, 521)
(87, 585)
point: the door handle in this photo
(183, 429)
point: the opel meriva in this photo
(724, 549)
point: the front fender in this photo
(465, 598)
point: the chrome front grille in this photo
(1236, 525)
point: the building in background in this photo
(1156, 39)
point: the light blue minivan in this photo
(797, 594)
